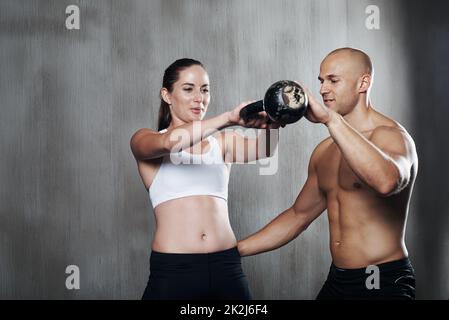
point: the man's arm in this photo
(383, 163)
(309, 204)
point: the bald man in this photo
(363, 174)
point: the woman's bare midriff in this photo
(194, 224)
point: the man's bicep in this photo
(395, 142)
(397, 145)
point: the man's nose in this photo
(324, 88)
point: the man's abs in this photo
(364, 230)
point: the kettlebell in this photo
(285, 102)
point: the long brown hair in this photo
(171, 75)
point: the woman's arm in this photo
(242, 149)
(148, 144)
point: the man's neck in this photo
(360, 117)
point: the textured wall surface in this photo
(428, 236)
(71, 99)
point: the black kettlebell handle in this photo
(285, 102)
(251, 110)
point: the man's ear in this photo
(365, 83)
(165, 95)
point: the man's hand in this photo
(316, 112)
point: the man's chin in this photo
(334, 108)
(330, 106)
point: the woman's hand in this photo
(261, 121)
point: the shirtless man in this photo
(363, 174)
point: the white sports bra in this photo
(183, 174)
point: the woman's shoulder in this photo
(145, 131)
(140, 134)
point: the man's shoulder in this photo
(386, 131)
(388, 126)
(324, 144)
(321, 148)
(392, 130)
(394, 139)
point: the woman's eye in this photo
(187, 89)
(205, 90)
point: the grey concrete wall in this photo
(70, 101)
(428, 236)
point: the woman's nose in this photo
(198, 97)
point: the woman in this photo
(194, 254)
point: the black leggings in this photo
(396, 281)
(185, 276)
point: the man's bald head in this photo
(360, 62)
(346, 77)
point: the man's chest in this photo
(335, 174)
